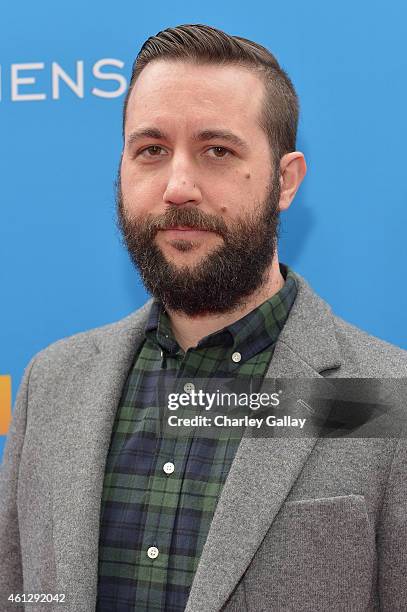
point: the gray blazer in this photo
(310, 523)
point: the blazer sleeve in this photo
(11, 574)
(392, 535)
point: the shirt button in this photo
(236, 357)
(168, 467)
(153, 552)
(189, 387)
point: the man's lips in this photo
(182, 231)
(184, 228)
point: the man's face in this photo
(197, 194)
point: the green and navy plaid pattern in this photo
(142, 505)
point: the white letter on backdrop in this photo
(59, 73)
(109, 76)
(16, 80)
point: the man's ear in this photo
(292, 171)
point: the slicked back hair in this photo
(203, 44)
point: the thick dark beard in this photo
(223, 279)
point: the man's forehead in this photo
(218, 94)
(160, 72)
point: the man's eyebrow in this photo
(226, 135)
(203, 136)
(142, 133)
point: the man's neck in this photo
(188, 331)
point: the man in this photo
(98, 506)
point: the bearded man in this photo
(95, 502)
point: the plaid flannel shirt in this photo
(160, 492)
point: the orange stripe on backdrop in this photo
(5, 404)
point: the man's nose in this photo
(182, 185)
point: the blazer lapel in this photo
(264, 469)
(85, 416)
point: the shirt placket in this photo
(166, 486)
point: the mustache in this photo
(186, 217)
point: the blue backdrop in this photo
(63, 70)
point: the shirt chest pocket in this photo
(318, 554)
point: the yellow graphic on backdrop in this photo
(5, 404)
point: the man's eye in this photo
(153, 151)
(220, 152)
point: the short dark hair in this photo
(203, 44)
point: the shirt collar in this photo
(252, 334)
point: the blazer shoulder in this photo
(88, 341)
(367, 355)
(335, 347)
